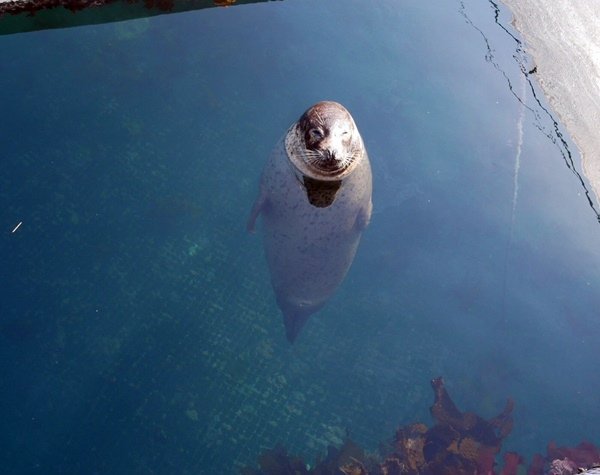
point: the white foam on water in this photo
(515, 198)
(563, 38)
(518, 154)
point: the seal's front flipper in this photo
(363, 218)
(256, 209)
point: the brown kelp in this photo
(459, 443)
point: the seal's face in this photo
(328, 131)
(326, 142)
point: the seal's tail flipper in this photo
(296, 314)
(294, 321)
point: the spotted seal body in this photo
(315, 200)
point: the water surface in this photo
(139, 329)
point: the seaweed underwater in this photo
(459, 443)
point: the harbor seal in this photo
(315, 201)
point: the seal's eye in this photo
(315, 134)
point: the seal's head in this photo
(325, 144)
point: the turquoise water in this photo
(139, 331)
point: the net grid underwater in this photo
(138, 327)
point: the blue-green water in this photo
(138, 328)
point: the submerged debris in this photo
(460, 443)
